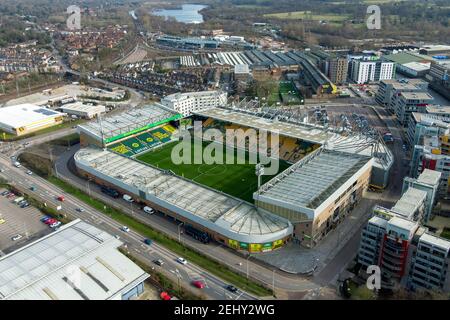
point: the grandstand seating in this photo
(144, 141)
(289, 149)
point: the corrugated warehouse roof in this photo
(76, 262)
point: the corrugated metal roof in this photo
(66, 265)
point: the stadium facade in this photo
(304, 202)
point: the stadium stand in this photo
(144, 141)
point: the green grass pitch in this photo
(238, 180)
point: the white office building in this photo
(186, 103)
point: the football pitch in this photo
(238, 180)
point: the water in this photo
(189, 13)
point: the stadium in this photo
(302, 202)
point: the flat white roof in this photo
(81, 107)
(45, 268)
(430, 177)
(435, 241)
(410, 201)
(23, 115)
(402, 223)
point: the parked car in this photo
(25, 205)
(56, 224)
(50, 221)
(45, 218)
(127, 198)
(198, 284)
(181, 260)
(148, 210)
(29, 172)
(16, 237)
(2, 221)
(4, 193)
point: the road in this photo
(215, 287)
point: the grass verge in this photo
(193, 256)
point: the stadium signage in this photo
(149, 126)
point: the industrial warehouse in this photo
(48, 268)
(27, 118)
(320, 198)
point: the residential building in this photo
(407, 102)
(407, 254)
(428, 181)
(430, 265)
(371, 71)
(439, 77)
(186, 103)
(337, 69)
(389, 89)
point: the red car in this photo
(165, 296)
(50, 221)
(60, 198)
(198, 284)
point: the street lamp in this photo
(179, 231)
(273, 281)
(248, 257)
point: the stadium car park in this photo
(20, 222)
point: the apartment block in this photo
(391, 88)
(407, 102)
(407, 254)
(430, 264)
(371, 71)
(428, 181)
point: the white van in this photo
(127, 198)
(149, 210)
(17, 200)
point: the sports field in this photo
(238, 180)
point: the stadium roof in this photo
(331, 139)
(42, 270)
(119, 124)
(297, 131)
(23, 115)
(217, 211)
(315, 178)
